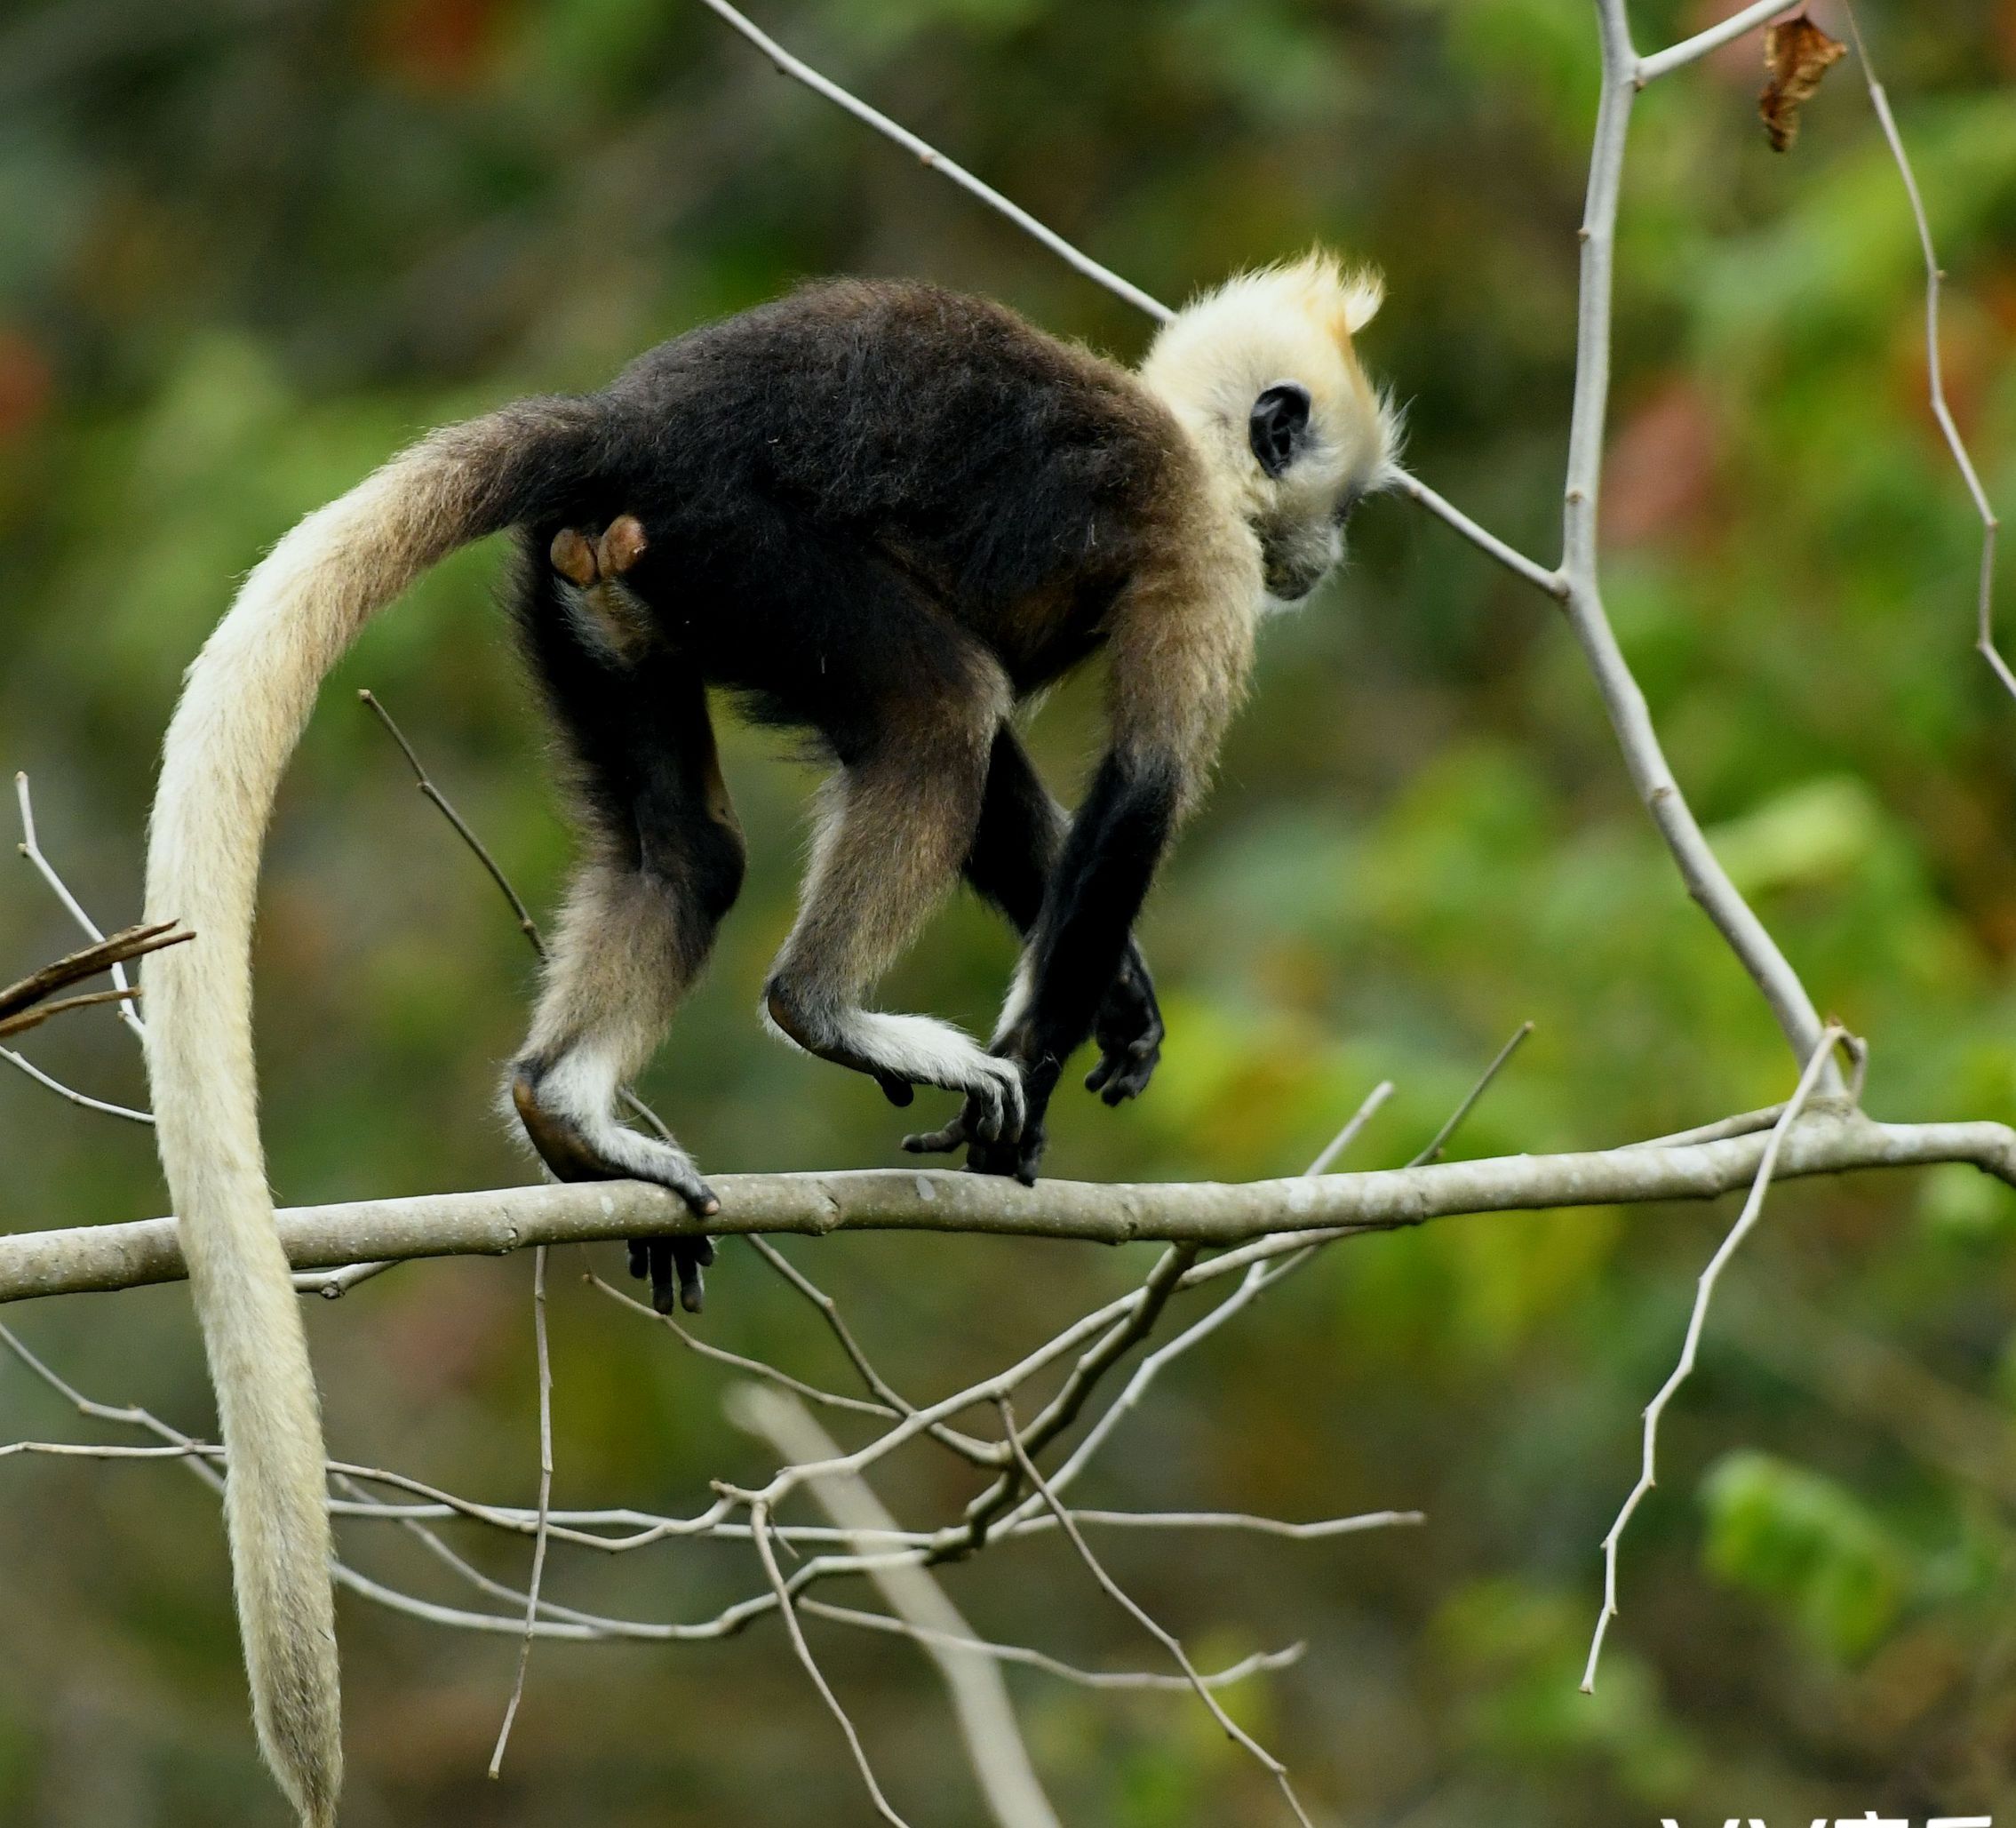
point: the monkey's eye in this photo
(1280, 416)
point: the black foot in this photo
(673, 1266)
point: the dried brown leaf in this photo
(1798, 54)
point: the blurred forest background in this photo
(249, 247)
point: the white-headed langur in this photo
(876, 512)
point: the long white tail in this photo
(243, 708)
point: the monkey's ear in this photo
(1280, 416)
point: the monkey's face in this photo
(1313, 474)
(1262, 374)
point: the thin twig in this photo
(1723, 32)
(734, 1361)
(1704, 1293)
(1743, 1123)
(602, 1624)
(1256, 1279)
(1333, 1151)
(1936, 372)
(1454, 1121)
(759, 1518)
(334, 1284)
(545, 1501)
(205, 1460)
(987, 1724)
(1133, 1327)
(69, 1093)
(981, 1453)
(31, 847)
(527, 925)
(123, 947)
(1167, 1639)
(1259, 1663)
(1510, 556)
(35, 1017)
(928, 155)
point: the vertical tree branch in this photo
(1706, 880)
(545, 1504)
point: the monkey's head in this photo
(1262, 375)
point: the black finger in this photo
(665, 1293)
(1127, 1085)
(640, 1258)
(688, 1259)
(899, 1092)
(937, 1142)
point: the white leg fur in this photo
(1021, 987)
(581, 1090)
(622, 957)
(920, 1048)
(866, 893)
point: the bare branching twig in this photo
(1167, 1639)
(25, 1003)
(1935, 369)
(971, 1673)
(1704, 1294)
(31, 847)
(759, 1520)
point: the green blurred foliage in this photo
(247, 247)
(1807, 1544)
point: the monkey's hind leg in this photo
(896, 827)
(634, 935)
(619, 960)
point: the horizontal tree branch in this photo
(1831, 1139)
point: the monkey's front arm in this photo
(1022, 847)
(1016, 848)
(1081, 974)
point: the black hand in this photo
(974, 1128)
(673, 1265)
(1129, 1033)
(1021, 1157)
